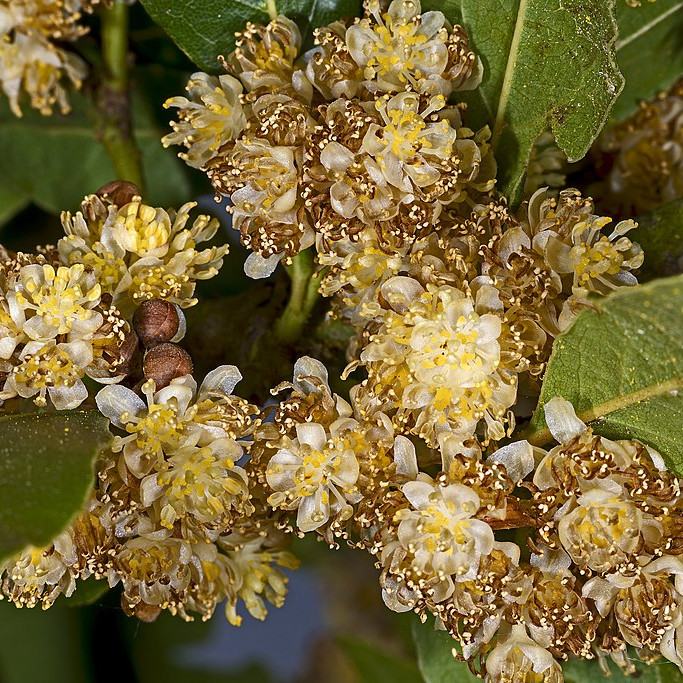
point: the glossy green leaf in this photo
(205, 29)
(589, 671)
(548, 64)
(649, 51)
(621, 366)
(55, 161)
(660, 234)
(434, 656)
(46, 473)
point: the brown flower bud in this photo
(127, 350)
(156, 321)
(165, 362)
(119, 192)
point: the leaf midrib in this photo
(506, 86)
(647, 27)
(543, 436)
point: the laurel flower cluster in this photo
(40, 575)
(210, 117)
(57, 326)
(354, 134)
(392, 51)
(321, 465)
(642, 158)
(171, 519)
(139, 252)
(32, 57)
(437, 361)
(605, 569)
(572, 242)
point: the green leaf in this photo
(205, 29)
(46, 473)
(373, 665)
(649, 51)
(660, 234)
(548, 64)
(55, 161)
(621, 366)
(589, 671)
(435, 658)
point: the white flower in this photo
(41, 574)
(437, 359)
(316, 473)
(404, 49)
(603, 530)
(48, 302)
(517, 659)
(410, 149)
(210, 117)
(440, 531)
(140, 252)
(173, 418)
(202, 483)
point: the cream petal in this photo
(113, 400)
(405, 457)
(561, 420)
(309, 508)
(223, 379)
(418, 493)
(68, 398)
(312, 434)
(309, 367)
(257, 267)
(517, 458)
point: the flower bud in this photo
(127, 350)
(119, 192)
(165, 362)
(156, 321)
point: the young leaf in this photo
(434, 656)
(649, 51)
(547, 64)
(46, 473)
(660, 234)
(205, 29)
(621, 365)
